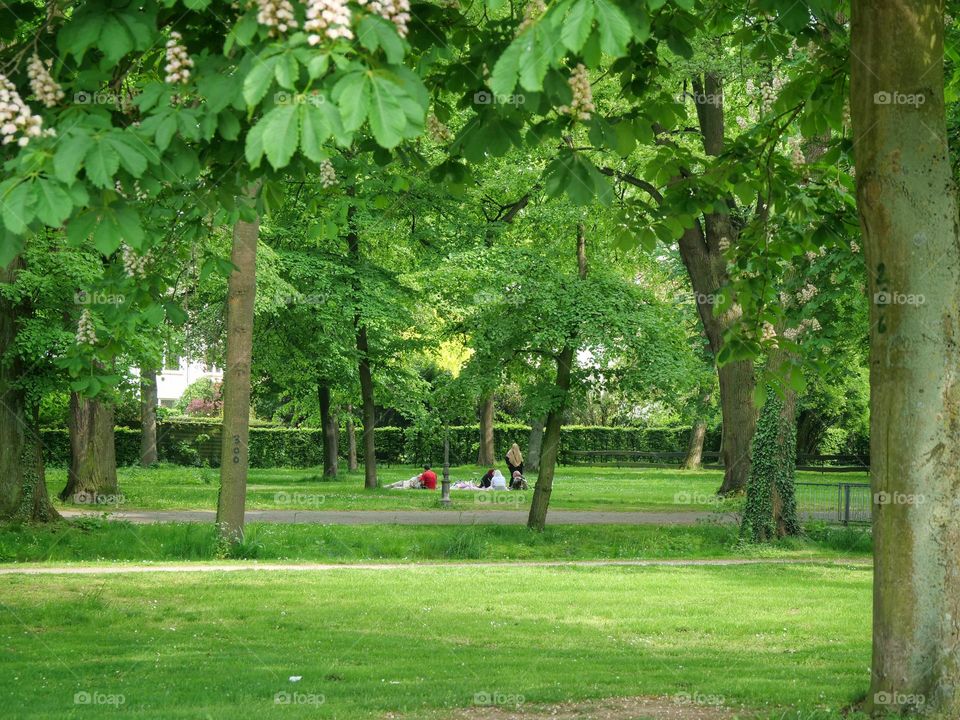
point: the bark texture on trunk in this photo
(535, 445)
(537, 518)
(148, 417)
(23, 490)
(92, 474)
(234, 454)
(488, 454)
(694, 459)
(330, 431)
(907, 201)
(702, 251)
(363, 367)
(351, 441)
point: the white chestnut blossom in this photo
(331, 18)
(86, 332)
(328, 176)
(16, 118)
(582, 104)
(396, 11)
(533, 10)
(178, 61)
(44, 87)
(276, 15)
(807, 293)
(135, 266)
(437, 130)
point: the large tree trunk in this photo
(23, 490)
(487, 456)
(535, 445)
(148, 417)
(330, 431)
(234, 454)
(363, 367)
(907, 201)
(537, 519)
(351, 441)
(694, 459)
(702, 251)
(92, 475)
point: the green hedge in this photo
(198, 443)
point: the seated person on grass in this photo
(427, 480)
(518, 482)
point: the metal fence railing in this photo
(841, 502)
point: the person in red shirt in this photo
(428, 479)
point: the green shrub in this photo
(196, 443)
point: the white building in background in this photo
(172, 382)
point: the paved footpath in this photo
(411, 517)
(199, 567)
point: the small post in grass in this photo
(445, 483)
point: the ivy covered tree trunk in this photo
(351, 441)
(148, 417)
(23, 489)
(771, 507)
(694, 459)
(537, 519)
(234, 453)
(487, 456)
(535, 445)
(330, 431)
(907, 201)
(93, 458)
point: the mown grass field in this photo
(95, 540)
(575, 488)
(418, 643)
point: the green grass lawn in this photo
(575, 488)
(420, 642)
(96, 540)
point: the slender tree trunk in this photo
(694, 459)
(907, 200)
(330, 431)
(23, 489)
(234, 454)
(93, 458)
(363, 362)
(487, 456)
(536, 444)
(537, 519)
(351, 441)
(148, 417)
